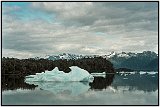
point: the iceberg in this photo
(76, 74)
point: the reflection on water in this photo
(13, 83)
(144, 82)
(101, 82)
(115, 89)
(68, 88)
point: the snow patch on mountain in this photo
(123, 54)
(111, 54)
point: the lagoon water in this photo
(114, 89)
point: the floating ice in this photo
(132, 72)
(122, 72)
(125, 74)
(142, 72)
(125, 78)
(103, 74)
(76, 74)
(152, 73)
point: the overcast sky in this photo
(32, 29)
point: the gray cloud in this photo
(82, 28)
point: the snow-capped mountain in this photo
(122, 54)
(66, 56)
(144, 60)
(109, 56)
(130, 54)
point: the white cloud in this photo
(74, 29)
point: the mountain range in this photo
(147, 60)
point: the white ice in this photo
(103, 74)
(122, 72)
(142, 72)
(152, 73)
(76, 74)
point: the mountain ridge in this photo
(139, 61)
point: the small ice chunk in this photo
(125, 78)
(122, 72)
(132, 72)
(142, 72)
(103, 74)
(152, 73)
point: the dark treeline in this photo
(23, 67)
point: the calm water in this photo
(114, 89)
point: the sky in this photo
(31, 29)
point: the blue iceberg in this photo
(76, 74)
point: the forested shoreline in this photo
(24, 67)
